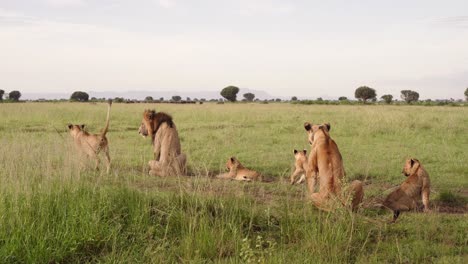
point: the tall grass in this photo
(55, 209)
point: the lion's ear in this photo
(305, 151)
(414, 165)
(295, 151)
(70, 126)
(82, 126)
(233, 159)
(307, 126)
(328, 126)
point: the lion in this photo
(300, 165)
(326, 163)
(92, 144)
(238, 172)
(414, 189)
(168, 158)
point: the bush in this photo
(387, 98)
(14, 96)
(409, 96)
(79, 96)
(230, 93)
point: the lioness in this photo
(92, 144)
(300, 165)
(238, 172)
(168, 158)
(414, 189)
(326, 163)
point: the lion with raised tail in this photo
(325, 165)
(168, 158)
(415, 188)
(92, 144)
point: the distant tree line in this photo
(363, 94)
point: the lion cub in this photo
(300, 167)
(238, 172)
(92, 144)
(414, 189)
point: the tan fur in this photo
(325, 164)
(169, 160)
(92, 144)
(415, 188)
(300, 165)
(238, 172)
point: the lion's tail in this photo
(106, 128)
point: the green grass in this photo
(54, 212)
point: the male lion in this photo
(414, 189)
(168, 158)
(92, 144)
(300, 165)
(326, 163)
(238, 172)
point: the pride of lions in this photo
(322, 169)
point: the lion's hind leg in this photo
(357, 190)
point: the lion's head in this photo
(146, 127)
(313, 129)
(75, 129)
(411, 166)
(300, 156)
(232, 163)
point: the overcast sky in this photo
(304, 48)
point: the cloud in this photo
(166, 3)
(453, 21)
(264, 7)
(65, 3)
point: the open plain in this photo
(56, 209)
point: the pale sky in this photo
(303, 48)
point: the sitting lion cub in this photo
(416, 187)
(300, 167)
(239, 172)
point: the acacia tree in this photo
(343, 98)
(466, 94)
(149, 99)
(387, 98)
(365, 93)
(176, 98)
(249, 96)
(3, 92)
(79, 96)
(230, 93)
(14, 96)
(409, 96)
(294, 98)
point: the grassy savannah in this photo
(54, 211)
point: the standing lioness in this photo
(92, 144)
(326, 164)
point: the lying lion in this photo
(92, 144)
(238, 172)
(300, 165)
(414, 189)
(325, 164)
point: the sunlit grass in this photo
(53, 210)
